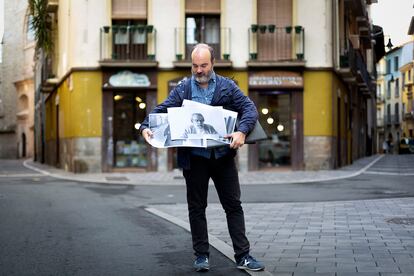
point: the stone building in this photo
(16, 83)
(309, 66)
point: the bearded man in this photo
(199, 165)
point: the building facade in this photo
(311, 76)
(16, 82)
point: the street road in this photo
(57, 227)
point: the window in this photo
(203, 29)
(388, 89)
(397, 87)
(403, 79)
(30, 35)
(388, 69)
(396, 64)
(397, 113)
(403, 111)
(388, 117)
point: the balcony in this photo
(47, 75)
(392, 120)
(128, 46)
(380, 122)
(409, 116)
(353, 70)
(275, 46)
(185, 41)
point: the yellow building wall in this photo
(50, 120)
(80, 107)
(317, 103)
(241, 77)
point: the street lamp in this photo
(389, 44)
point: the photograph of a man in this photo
(198, 126)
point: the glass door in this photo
(130, 147)
(274, 115)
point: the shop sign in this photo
(129, 79)
(276, 79)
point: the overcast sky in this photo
(394, 16)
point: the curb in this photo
(218, 244)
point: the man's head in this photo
(197, 119)
(202, 58)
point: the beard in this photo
(203, 77)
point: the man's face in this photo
(197, 120)
(202, 67)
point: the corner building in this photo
(311, 76)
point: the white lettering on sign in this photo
(275, 80)
(129, 79)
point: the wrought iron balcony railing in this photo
(128, 43)
(270, 43)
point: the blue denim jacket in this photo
(226, 94)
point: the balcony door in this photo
(202, 29)
(129, 40)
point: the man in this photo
(199, 165)
(198, 126)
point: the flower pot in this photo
(262, 28)
(226, 56)
(141, 29)
(299, 56)
(254, 28)
(298, 29)
(115, 29)
(179, 56)
(123, 29)
(271, 28)
(151, 57)
(149, 28)
(106, 29)
(288, 29)
(253, 56)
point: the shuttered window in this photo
(202, 6)
(129, 9)
(278, 45)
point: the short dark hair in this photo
(204, 46)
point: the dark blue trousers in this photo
(223, 172)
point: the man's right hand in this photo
(147, 134)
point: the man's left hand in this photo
(238, 138)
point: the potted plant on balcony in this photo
(226, 56)
(254, 28)
(262, 28)
(179, 56)
(288, 29)
(106, 29)
(123, 29)
(271, 28)
(115, 29)
(298, 29)
(151, 56)
(253, 56)
(141, 29)
(149, 28)
(299, 56)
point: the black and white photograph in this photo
(160, 127)
(200, 123)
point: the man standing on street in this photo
(199, 165)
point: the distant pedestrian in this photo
(385, 147)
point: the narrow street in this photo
(60, 227)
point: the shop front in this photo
(128, 95)
(278, 96)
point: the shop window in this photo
(130, 148)
(274, 115)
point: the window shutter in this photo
(277, 46)
(129, 9)
(202, 6)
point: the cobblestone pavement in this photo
(366, 237)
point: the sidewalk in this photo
(176, 178)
